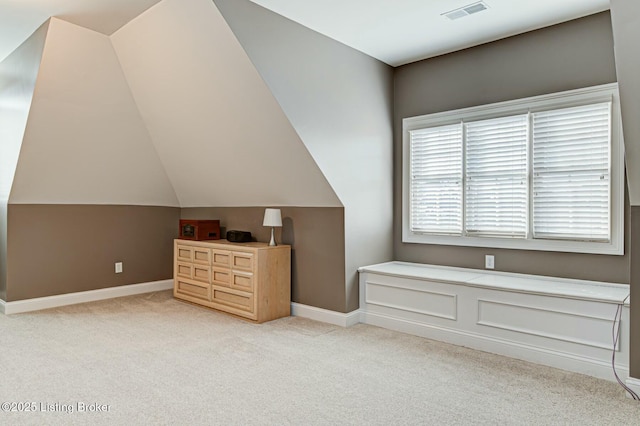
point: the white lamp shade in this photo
(272, 217)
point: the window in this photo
(543, 173)
(571, 168)
(436, 187)
(496, 177)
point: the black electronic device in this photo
(239, 236)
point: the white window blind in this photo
(436, 180)
(496, 177)
(571, 173)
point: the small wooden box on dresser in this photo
(251, 280)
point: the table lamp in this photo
(272, 218)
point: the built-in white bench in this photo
(558, 322)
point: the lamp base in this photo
(273, 238)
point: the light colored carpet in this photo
(156, 360)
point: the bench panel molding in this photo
(558, 322)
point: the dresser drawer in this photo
(221, 258)
(242, 261)
(184, 253)
(201, 273)
(242, 281)
(201, 256)
(192, 289)
(220, 276)
(233, 299)
(184, 270)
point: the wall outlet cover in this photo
(489, 261)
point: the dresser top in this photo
(252, 244)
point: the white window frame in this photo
(590, 95)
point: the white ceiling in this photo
(402, 31)
(394, 31)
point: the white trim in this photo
(325, 315)
(534, 332)
(453, 298)
(29, 305)
(606, 92)
(633, 384)
(535, 354)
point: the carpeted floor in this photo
(150, 359)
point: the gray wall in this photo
(59, 249)
(3, 250)
(567, 56)
(339, 101)
(634, 353)
(316, 236)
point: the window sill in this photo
(613, 248)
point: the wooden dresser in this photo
(251, 280)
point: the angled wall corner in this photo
(340, 101)
(85, 142)
(18, 73)
(89, 188)
(222, 137)
(625, 19)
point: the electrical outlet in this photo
(489, 261)
(118, 267)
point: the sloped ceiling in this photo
(19, 18)
(18, 74)
(85, 142)
(175, 115)
(221, 135)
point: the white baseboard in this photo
(633, 384)
(325, 315)
(39, 303)
(535, 354)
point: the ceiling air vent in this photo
(467, 10)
